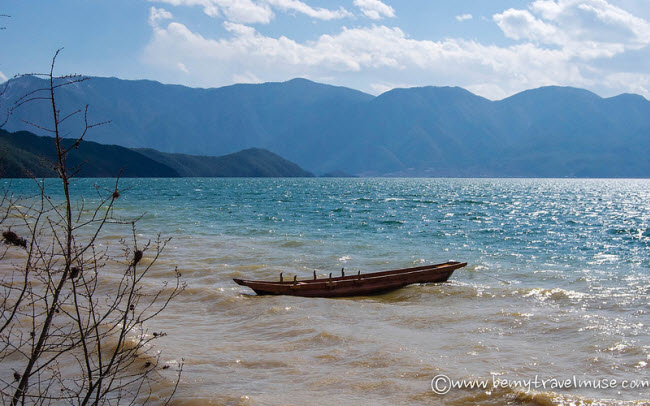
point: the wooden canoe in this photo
(358, 284)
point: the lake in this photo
(556, 288)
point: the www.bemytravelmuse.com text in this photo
(442, 384)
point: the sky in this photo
(493, 48)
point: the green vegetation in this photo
(253, 162)
(23, 154)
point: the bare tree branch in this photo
(63, 336)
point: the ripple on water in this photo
(557, 284)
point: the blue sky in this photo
(494, 48)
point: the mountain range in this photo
(23, 154)
(427, 131)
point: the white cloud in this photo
(629, 82)
(238, 29)
(246, 77)
(587, 29)
(3, 78)
(241, 11)
(209, 7)
(181, 66)
(260, 11)
(158, 14)
(521, 24)
(374, 9)
(383, 87)
(549, 51)
(464, 17)
(319, 13)
(381, 51)
(245, 11)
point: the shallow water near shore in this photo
(556, 287)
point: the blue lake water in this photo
(556, 287)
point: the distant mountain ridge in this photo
(252, 162)
(427, 131)
(23, 154)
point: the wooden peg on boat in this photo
(281, 277)
(314, 274)
(330, 277)
(342, 272)
(295, 279)
(359, 273)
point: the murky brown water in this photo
(556, 289)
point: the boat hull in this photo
(356, 285)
